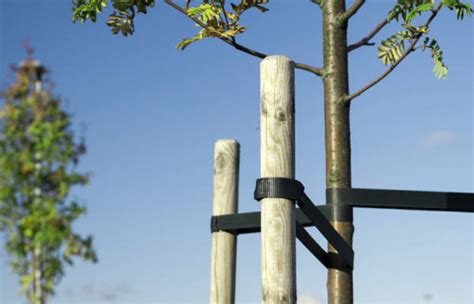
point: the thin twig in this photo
(366, 39)
(240, 47)
(410, 49)
(344, 17)
(222, 3)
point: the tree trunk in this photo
(337, 134)
(36, 295)
(32, 291)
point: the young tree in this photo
(38, 156)
(222, 20)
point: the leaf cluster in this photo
(38, 157)
(462, 9)
(216, 17)
(121, 20)
(218, 21)
(405, 12)
(392, 48)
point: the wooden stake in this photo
(224, 244)
(277, 140)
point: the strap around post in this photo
(286, 188)
(278, 187)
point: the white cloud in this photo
(308, 299)
(437, 138)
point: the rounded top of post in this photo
(227, 142)
(277, 59)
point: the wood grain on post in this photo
(223, 258)
(277, 146)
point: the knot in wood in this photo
(220, 162)
(280, 115)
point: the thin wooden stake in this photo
(277, 142)
(224, 244)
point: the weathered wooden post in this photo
(277, 147)
(226, 176)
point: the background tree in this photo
(222, 20)
(38, 157)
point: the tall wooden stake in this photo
(224, 244)
(277, 142)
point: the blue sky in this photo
(152, 115)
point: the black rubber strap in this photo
(286, 188)
(278, 187)
(402, 199)
(214, 224)
(336, 261)
(327, 230)
(338, 196)
(339, 208)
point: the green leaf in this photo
(121, 20)
(418, 10)
(462, 9)
(407, 10)
(392, 48)
(440, 69)
(87, 9)
(186, 42)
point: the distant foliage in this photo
(405, 12)
(38, 156)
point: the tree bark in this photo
(337, 133)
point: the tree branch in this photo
(232, 42)
(410, 49)
(366, 39)
(350, 11)
(318, 2)
(309, 68)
